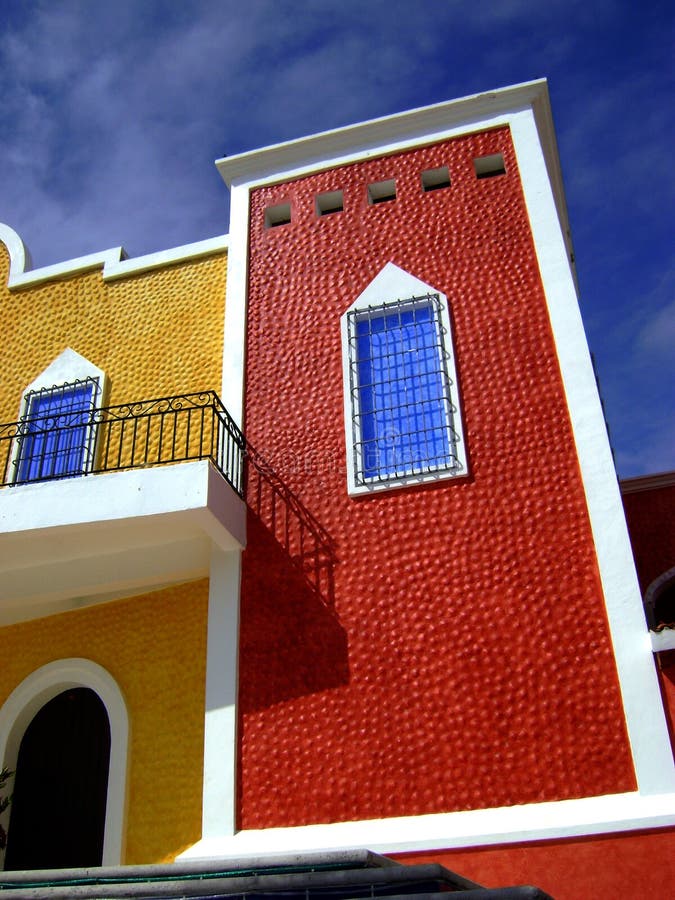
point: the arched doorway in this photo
(58, 809)
(659, 601)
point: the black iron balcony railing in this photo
(128, 436)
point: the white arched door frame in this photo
(43, 685)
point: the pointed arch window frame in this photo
(55, 437)
(378, 458)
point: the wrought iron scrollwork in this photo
(134, 435)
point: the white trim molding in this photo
(291, 160)
(68, 367)
(219, 803)
(445, 831)
(68, 370)
(43, 685)
(113, 262)
(643, 707)
(19, 256)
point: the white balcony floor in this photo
(77, 541)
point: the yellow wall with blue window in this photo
(154, 334)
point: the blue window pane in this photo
(402, 399)
(56, 433)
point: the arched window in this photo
(66, 708)
(660, 601)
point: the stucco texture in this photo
(154, 334)
(154, 646)
(444, 647)
(650, 515)
(639, 865)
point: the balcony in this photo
(115, 501)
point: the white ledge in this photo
(663, 640)
(444, 831)
(77, 541)
(321, 147)
(113, 261)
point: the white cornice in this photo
(113, 261)
(163, 258)
(396, 133)
(418, 124)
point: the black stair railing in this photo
(129, 436)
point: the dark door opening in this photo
(57, 815)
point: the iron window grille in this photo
(55, 438)
(403, 414)
(80, 438)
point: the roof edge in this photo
(375, 132)
(19, 255)
(647, 482)
(113, 262)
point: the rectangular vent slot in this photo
(382, 191)
(330, 202)
(435, 179)
(489, 166)
(277, 215)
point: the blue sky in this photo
(112, 115)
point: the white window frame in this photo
(69, 369)
(394, 284)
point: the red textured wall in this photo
(428, 649)
(640, 865)
(650, 515)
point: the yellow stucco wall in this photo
(154, 646)
(154, 334)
